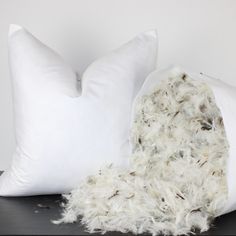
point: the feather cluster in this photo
(176, 182)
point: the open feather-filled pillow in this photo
(178, 180)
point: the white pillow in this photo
(225, 97)
(178, 166)
(63, 136)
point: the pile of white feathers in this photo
(176, 182)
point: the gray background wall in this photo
(198, 34)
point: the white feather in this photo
(176, 182)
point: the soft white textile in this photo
(62, 135)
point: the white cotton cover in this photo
(225, 97)
(62, 135)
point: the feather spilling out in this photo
(176, 182)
